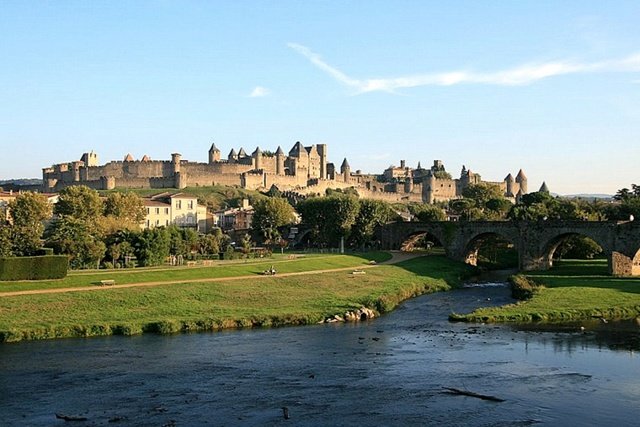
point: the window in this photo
(178, 204)
(148, 211)
(166, 211)
(157, 211)
(190, 204)
(157, 222)
(167, 224)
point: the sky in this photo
(552, 87)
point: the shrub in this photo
(522, 287)
(34, 267)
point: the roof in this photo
(256, 151)
(146, 158)
(213, 148)
(509, 178)
(150, 202)
(233, 153)
(296, 149)
(345, 164)
(544, 188)
(128, 158)
(279, 151)
(521, 175)
(182, 196)
(242, 153)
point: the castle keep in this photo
(305, 170)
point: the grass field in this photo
(219, 269)
(269, 301)
(572, 290)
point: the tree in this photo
(371, 213)
(6, 242)
(426, 213)
(269, 214)
(79, 202)
(27, 211)
(126, 209)
(330, 218)
(72, 236)
(152, 246)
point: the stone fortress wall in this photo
(304, 170)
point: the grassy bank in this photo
(572, 290)
(272, 301)
(219, 269)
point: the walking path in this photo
(395, 258)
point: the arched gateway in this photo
(535, 241)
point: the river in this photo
(389, 371)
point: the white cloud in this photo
(259, 92)
(520, 75)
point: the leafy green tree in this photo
(425, 212)
(482, 201)
(371, 213)
(73, 237)
(578, 247)
(28, 211)
(330, 218)
(126, 208)
(269, 215)
(6, 243)
(79, 202)
(152, 246)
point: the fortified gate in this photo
(535, 241)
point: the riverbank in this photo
(201, 305)
(571, 290)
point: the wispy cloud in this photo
(259, 92)
(516, 76)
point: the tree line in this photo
(94, 230)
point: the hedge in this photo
(34, 267)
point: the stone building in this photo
(179, 209)
(304, 170)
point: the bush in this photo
(522, 287)
(34, 267)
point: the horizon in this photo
(480, 85)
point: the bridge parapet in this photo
(535, 241)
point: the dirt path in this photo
(396, 257)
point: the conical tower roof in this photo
(213, 148)
(297, 149)
(233, 153)
(419, 165)
(128, 158)
(544, 188)
(345, 164)
(242, 153)
(257, 152)
(146, 158)
(508, 178)
(521, 176)
(279, 151)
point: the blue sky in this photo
(551, 87)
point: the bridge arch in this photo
(490, 244)
(553, 243)
(412, 241)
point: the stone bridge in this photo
(535, 241)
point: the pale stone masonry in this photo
(304, 169)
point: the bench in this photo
(108, 282)
(191, 263)
(207, 262)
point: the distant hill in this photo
(21, 181)
(589, 196)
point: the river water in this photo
(390, 371)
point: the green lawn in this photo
(573, 290)
(219, 269)
(271, 301)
